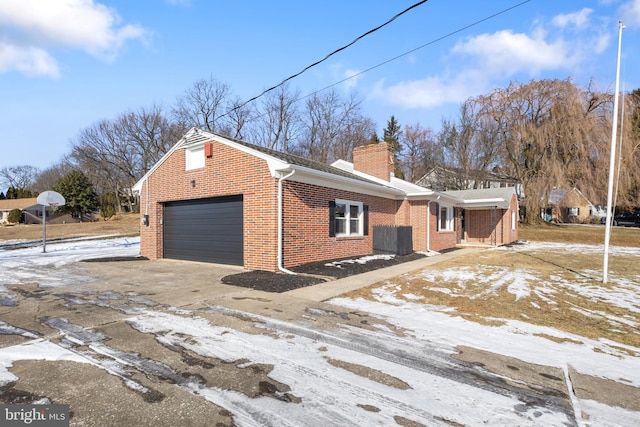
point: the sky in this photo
(67, 64)
(299, 351)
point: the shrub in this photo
(15, 216)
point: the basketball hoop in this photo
(52, 199)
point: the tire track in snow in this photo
(430, 360)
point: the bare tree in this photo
(421, 151)
(279, 119)
(357, 131)
(202, 105)
(471, 149)
(115, 154)
(325, 118)
(18, 177)
(235, 121)
(48, 178)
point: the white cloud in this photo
(39, 26)
(577, 19)
(30, 61)
(506, 53)
(352, 77)
(631, 12)
(481, 62)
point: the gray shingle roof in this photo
(285, 157)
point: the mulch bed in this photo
(328, 270)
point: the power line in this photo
(459, 30)
(326, 57)
(452, 33)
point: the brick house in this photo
(487, 216)
(220, 200)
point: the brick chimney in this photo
(374, 159)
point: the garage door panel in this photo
(208, 230)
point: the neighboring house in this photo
(220, 200)
(568, 206)
(29, 207)
(440, 178)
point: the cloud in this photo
(479, 63)
(31, 61)
(39, 26)
(630, 12)
(351, 78)
(577, 19)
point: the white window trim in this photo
(449, 221)
(348, 204)
(513, 220)
(194, 157)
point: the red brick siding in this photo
(480, 225)
(492, 226)
(374, 159)
(440, 240)
(228, 172)
(306, 223)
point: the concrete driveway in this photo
(155, 343)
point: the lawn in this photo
(555, 280)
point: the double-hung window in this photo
(445, 218)
(347, 218)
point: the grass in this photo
(592, 235)
(547, 285)
(123, 225)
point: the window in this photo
(513, 221)
(445, 218)
(194, 157)
(348, 218)
(574, 211)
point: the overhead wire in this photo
(438, 39)
(459, 30)
(373, 30)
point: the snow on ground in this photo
(332, 395)
(32, 265)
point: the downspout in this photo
(280, 221)
(428, 226)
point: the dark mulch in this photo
(117, 259)
(329, 270)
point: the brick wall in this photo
(306, 223)
(306, 215)
(480, 225)
(492, 226)
(228, 172)
(439, 240)
(374, 159)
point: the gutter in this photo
(280, 220)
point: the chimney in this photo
(374, 159)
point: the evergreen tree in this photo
(107, 206)
(2, 196)
(77, 190)
(12, 193)
(391, 135)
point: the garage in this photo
(207, 230)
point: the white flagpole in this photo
(612, 163)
